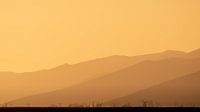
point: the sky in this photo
(41, 34)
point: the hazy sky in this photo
(38, 34)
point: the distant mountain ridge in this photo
(65, 76)
(122, 82)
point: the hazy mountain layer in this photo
(182, 91)
(25, 84)
(117, 84)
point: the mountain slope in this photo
(193, 54)
(183, 91)
(117, 84)
(25, 84)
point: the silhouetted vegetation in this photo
(95, 104)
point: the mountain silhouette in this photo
(29, 83)
(117, 84)
(183, 91)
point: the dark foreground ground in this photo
(99, 109)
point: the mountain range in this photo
(29, 83)
(113, 78)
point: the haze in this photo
(41, 34)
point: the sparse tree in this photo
(157, 104)
(113, 105)
(5, 104)
(193, 105)
(145, 103)
(99, 104)
(127, 105)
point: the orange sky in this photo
(38, 34)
